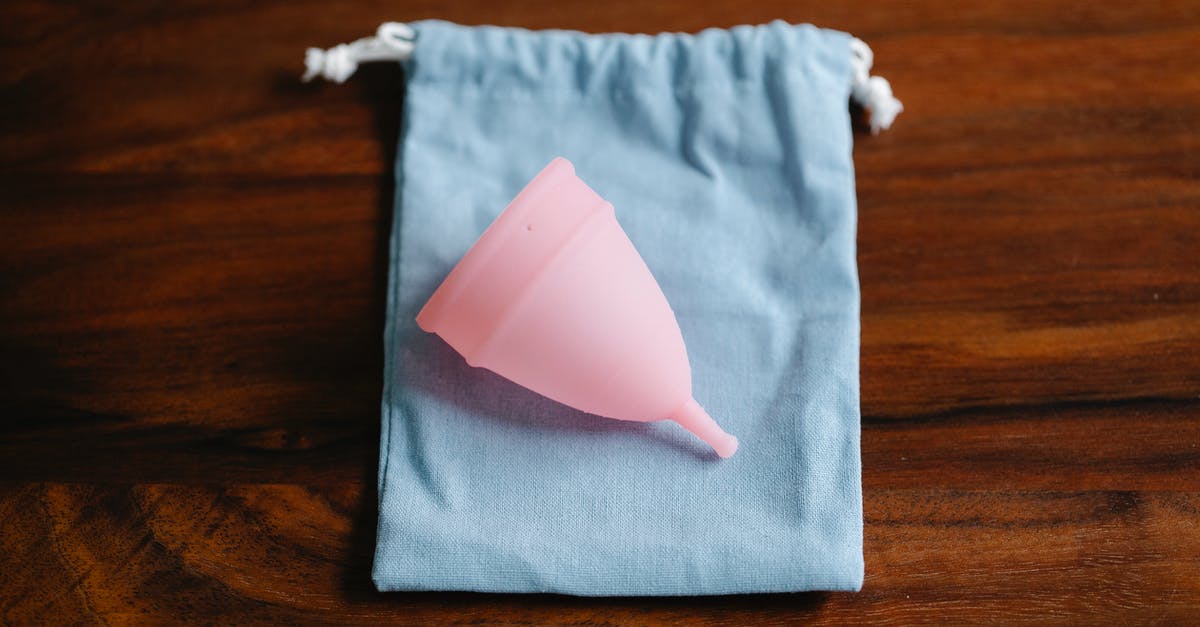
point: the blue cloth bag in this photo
(727, 155)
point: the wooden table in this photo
(192, 300)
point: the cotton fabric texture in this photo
(727, 155)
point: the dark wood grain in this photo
(191, 314)
(288, 553)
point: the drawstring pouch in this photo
(727, 155)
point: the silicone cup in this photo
(553, 296)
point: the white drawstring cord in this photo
(874, 93)
(392, 42)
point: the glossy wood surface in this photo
(192, 302)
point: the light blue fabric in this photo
(727, 155)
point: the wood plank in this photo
(219, 328)
(1026, 287)
(200, 328)
(1097, 446)
(281, 553)
(212, 88)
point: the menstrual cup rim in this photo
(483, 251)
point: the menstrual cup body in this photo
(555, 297)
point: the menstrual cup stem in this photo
(693, 418)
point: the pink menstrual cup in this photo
(555, 297)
